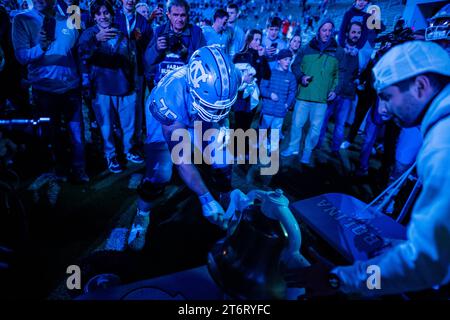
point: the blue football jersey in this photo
(168, 102)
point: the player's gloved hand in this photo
(316, 278)
(212, 210)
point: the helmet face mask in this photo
(213, 83)
(439, 28)
(211, 113)
(439, 32)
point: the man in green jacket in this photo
(316, 70)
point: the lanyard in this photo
(60, 10)
(130, 28)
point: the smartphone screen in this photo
(274, 45)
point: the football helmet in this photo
(213, 82)
(439, 25)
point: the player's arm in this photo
(188, 172)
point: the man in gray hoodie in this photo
(413, 83)
(45, 44)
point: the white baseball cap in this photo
(408, 60)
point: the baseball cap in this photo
(409, 60)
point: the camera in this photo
(174, 42)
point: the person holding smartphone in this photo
(272, 42)
(157, 16)
(44, 44)
(316, 68)
(108, 65)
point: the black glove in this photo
(316, 279)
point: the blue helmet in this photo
(439, 25)
(213, 83)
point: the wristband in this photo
(206, 198)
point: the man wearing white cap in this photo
(413, 83)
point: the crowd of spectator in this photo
(122, 49)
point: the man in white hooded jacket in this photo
(413, 83)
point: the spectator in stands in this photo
(316, 70)
(357, 13)
(253, 53)
(174, 42)
(294, 44)
(217, 34)
(278, 94)
(236, 32)
(144, 10)
(151, 16)
(108, 65)
(45, 45)
(272, 42)
(139, 32)
(345, 91)
(285, 27)
(366, 99)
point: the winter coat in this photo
(110, 64)
(323, 66)
(284, 85)
(348, 73)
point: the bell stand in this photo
(387, 196)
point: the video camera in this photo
(174, 42)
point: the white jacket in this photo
(423, 261)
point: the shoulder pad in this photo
(168, 98)
(161, 112)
